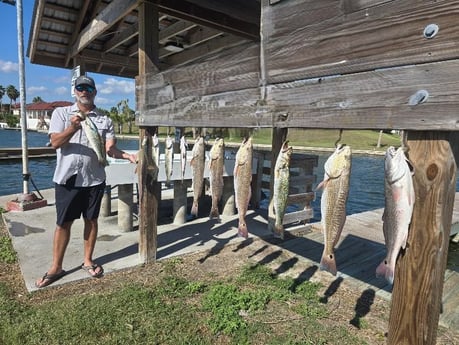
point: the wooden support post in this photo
(419, 274)
(180, 202)
(125, 200)
(228, 202)
(148, 20)
(106, 206)
(256, 182)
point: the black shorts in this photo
(72, 202)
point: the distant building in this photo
(39, 114)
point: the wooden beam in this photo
(121, 37)
(204, 16)
(108, 17)
(148, 171)
(419, 274)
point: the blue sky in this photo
(49, 83)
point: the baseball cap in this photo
(85, 80)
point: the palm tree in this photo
(116, 117)
(126, 113)
(37, 99)
(2, 93)
(12, 94)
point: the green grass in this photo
(7, 253)
(245, 309)
(357, 139)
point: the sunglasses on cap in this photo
(82, 88)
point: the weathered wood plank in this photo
(377, 100)
(419, 275)
(298, 216)
(307, 38)
(233, 69)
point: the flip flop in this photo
(48, 279)
(93, 267)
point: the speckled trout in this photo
(398, 210)
(333, 203)
(169, 159)
(197, 165)
(217, 161)
(278, 202)
(242, 183)
(94, 138)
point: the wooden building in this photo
(348, 64)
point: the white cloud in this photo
(8, 66)
(113, 85)
(62, 91)
(36, 89)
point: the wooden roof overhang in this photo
(103, 34)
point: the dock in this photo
(14, 153)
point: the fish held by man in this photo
(333, 202)
(197, 165)
(94, 138)
(242, 183)
(278, 202)
(169, 159)
(216, 164)
(399, 204)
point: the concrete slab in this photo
(32, 237)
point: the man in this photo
(79, 176)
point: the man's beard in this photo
(85, 100)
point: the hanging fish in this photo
(155, 149)
(242, 183)
(169, 158)
(217, 161)
(183, 150)
(333, 204)
(197, 165)
(398, 210)
(94, 138)
(278, 202)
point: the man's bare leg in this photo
(60, 242)
(91, 228)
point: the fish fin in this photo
(194, 209)
(242, 230)
(384, 271)
(322, 185)
(328, 263)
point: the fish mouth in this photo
(285, 147)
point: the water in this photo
(366, 189)
(41, 169)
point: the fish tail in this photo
(214, 213)
(385, 271)
(194, 209)
(242, 230)
(278, 231)
(328, 263)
